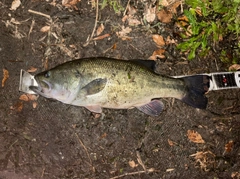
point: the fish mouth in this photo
(44, 88)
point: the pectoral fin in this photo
(154, 108)
(94, 108)
(94, 86)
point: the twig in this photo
(31, 28)
(139, 159)
(85, 151)
(135, 173)
(126, 8)
(39, 13)
(95, 25)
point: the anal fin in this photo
(153, 108)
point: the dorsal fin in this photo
(150, 64)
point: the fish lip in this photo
(39, 89)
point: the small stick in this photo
(95, 25)
(134, 173)
(39, 13)
(85, 151)
(126, 8)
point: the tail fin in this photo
(197, 86)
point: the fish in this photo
(99, 82)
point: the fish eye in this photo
(47, 74)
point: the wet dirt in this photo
(55, 140)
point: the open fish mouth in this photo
(44, 88)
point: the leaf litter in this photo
(5, 77)
(195, 137)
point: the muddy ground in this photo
(56, 140)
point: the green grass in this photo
(217, 19)
(114, 4)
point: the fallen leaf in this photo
(123, 33)
(164, 3)
(164, 16)
(100, 29)
(234, 67)
(133, 21)
(229, 146)
(15, 5)
(131, 10)
(5, 77)
(170, 41)
(32, 69)
(157, 54)
(101, 37)
(24, 97)
(28, 97)
(150, 14)
(235, 175)
(194, 136)
(32, 97)
(70, 3)
(170, 142)
(132, 164)
(34, 104)
(174, 6)
(104, 135)
(124, 18)
(45, 28)
(183, 18)
(158, 39)
(18, 106)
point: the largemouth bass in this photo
(97, 83)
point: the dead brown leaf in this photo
(164, 3)
(150, 14)
(164, 16)
(195, 137)
(32, 97)
(24, 97)
(234, 67)
(235, 175)
(70, 3)
(132, 164)
(15, 5)
(18, 106)
(34, 104)
(157, 54)
(183, 18)
(158, 39)
(174, 6)
(123, 33)
(45, 28)
(100, 29)
(229, 146)
(171, 143)
(28, 97)
(170, 41)
(133, 21)
(32, 69)
(5, 77)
